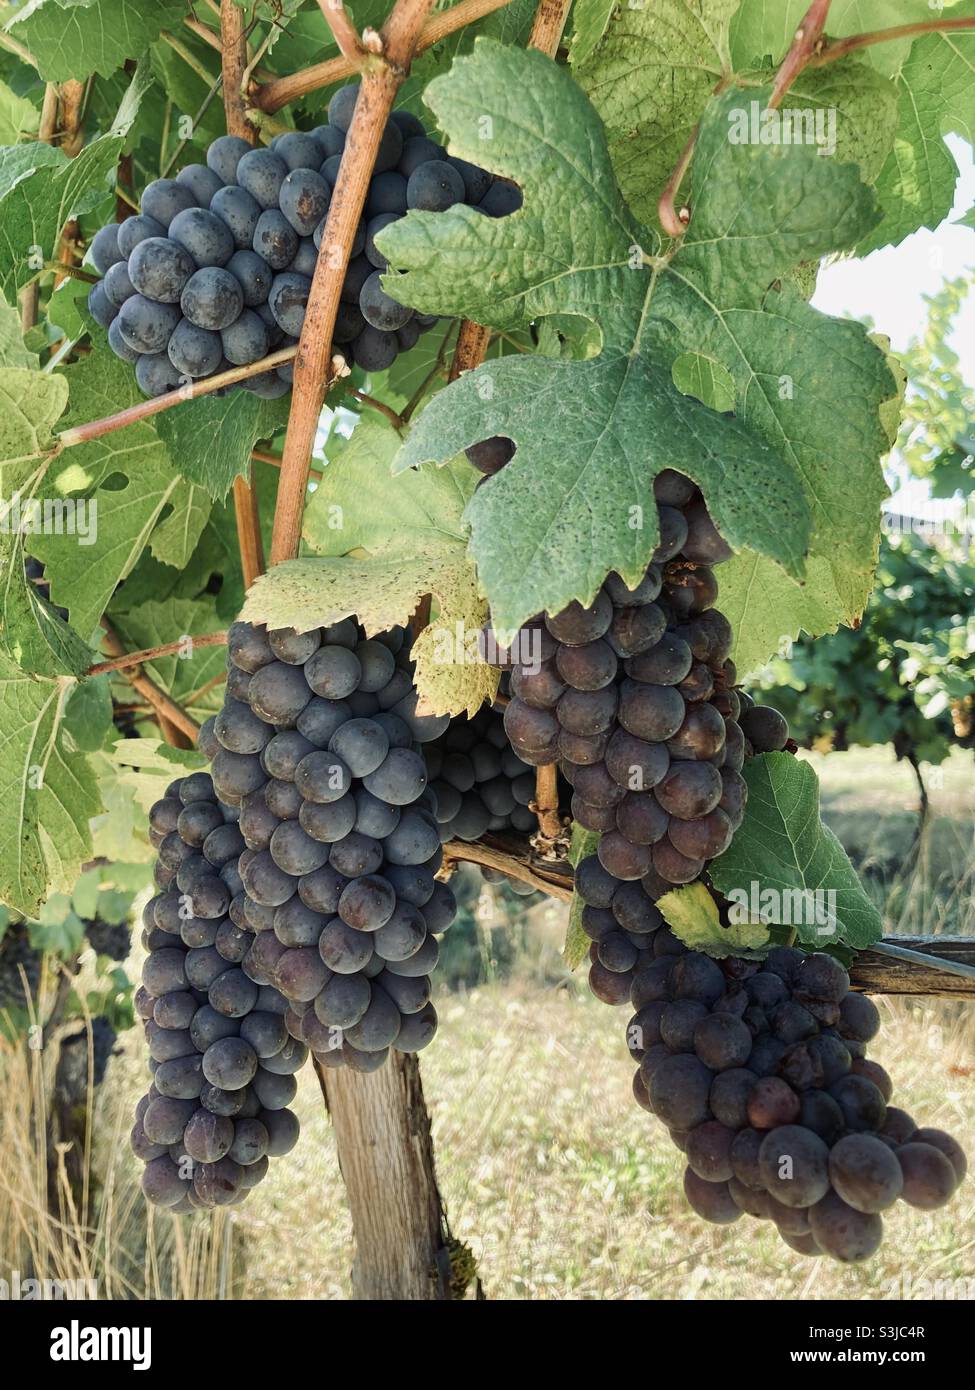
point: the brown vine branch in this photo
(548, 25)
(830, 50)
(176, 726)
(675, 222)
(81, 434)
(233, 63)
(395, 420)
(344, 32)
(546, 803)
(273, 95)
(313, 371)
(119, 663)
(804, 45)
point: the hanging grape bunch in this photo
(215, 270)
(298, 906)
(480, 783)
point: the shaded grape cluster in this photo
(221, 1058)
(759, 1071)
(634, 696)
(480, 782)
(215, 270)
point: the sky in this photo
(889, 286)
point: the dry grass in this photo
(560, 1184)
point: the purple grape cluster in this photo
(221, 1058)
(634, 696)
(759, 1072)
(215, 270)
(481, 784)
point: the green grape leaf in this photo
(58, 928)
(787, 868)
(147, 766)
(707, 380)
(84, 576)
(14, 352)
(936, 90)
(968, 220)
(99, 36)
(47, 794)
(649, 70)
(40, 189)
(176, 537)
(185, 672)
(88, 714)
(591, 435)
(692, 915)
(18, 117)
(210, 439)
(30, 404)
(119, 833)
(576, 948)
(413, 531)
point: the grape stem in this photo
(265, 456)
(314, 367)
(233, 65)
(271, 96)
(175, 725)
(344, 32)
(397, 421)
(81, 434)
(804, 45)
(546, 806)
(120, 663)
(830, 50)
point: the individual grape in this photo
(399, 779)
(161, 1182)
(298, 149)
(929, 1177)
(217, 1184)
(477, 181)
(636, 630)
(328, 822)
(765, 729)
(236, 775)
(295, 851)
(865, 1172)
(689, 790)
(379, 1025)
(367, 903)
(772, 1103)
(859, 1018)
(861, 1103)
(705, 838)
(208, 1137)
(502, 199)
(679, 1092)
(333, 672)
(795, 1165)
(276, 242)
(136, 229)
(379, 308)
(938, 1139)
(709, 1151)
(376, 666)
(651, 712)
(283, 798)
(250, 1142)
(194, 351)
(203, 965)
(842, 1232)
(261, 173)
(118, 344)
(155, 374)
(278, 693)
(356, 854)
(295, 924)
(212, 298)
(245, 340)
(701, 735)
(224, 154)
(673, 533)
(266, 883)
(722, 1041)
(229, 1063)
(712, 1201)
(873, 1071)
(145, 325)
(204, 235)
(196, 821)
(202, 182)
(666, 663)
(287, 1061)
(374, 349)
(621, 858)
(344, 949)
(703, 544)
(434, 186)
(117, 285)
(164, 199)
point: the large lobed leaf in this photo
(592, 434)
(76, 40)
